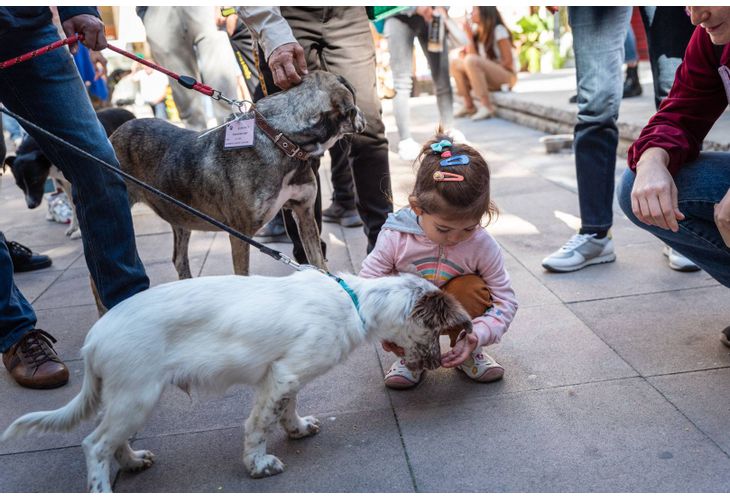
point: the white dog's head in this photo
(413, 313)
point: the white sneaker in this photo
(679, 262)
(581, 250)
(59, 209)
(482, 114)
(408, 149)
(400, 377)
(463, 112)
(457, 135)
(481, 367)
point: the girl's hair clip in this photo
(438, 147)
(454, 161)
(440, 176)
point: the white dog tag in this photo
(240, 133)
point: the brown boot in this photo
(33, 362)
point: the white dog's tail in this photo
(64, 418)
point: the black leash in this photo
(263, 248)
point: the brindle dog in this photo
(244, 188)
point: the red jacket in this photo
(697, 99)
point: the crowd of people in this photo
(672, 189)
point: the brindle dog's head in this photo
(316, 113)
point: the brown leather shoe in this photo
(33, 362)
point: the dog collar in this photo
(279, 139)
(351, 293)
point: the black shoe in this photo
(337, 213)
(273, 232)
(725, 336)
(25, 260)
(632, 87)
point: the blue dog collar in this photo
(351, 293)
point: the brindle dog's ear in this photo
(347, 84)
(440, 311)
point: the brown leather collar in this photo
(278, 138)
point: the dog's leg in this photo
(240, 255)
(133, 460)
(100, 308)
(268, 408)
(295, 426)
(181, 238)
(308, 232)
(73, 231)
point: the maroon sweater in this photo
(697, 99)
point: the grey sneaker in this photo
(580, 251)
(679, 262)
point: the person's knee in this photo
(472, 61)
(623, 194)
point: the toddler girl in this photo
(439, 237)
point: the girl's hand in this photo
(394, 348)
(654, 195)
(722, 218)
(467, 29)
(460, 352)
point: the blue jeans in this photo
(631, 54)
(700, 185)
(599, 34)
(598, 42)
(48, 91)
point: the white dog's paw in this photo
(307, 426)
(73, 233)
(263, 466)
(142, 460)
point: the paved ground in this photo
(615, 377)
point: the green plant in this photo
(534, 35)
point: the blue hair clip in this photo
(438, 147)
(455, 160)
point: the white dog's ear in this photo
(440, 311)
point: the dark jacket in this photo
(28, 18)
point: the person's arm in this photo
(84, 20)
(381, 260)
(505, 54)
(695, 102)
(282, 51)
(722, 218)
(675, 133)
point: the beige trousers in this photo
(479, 74)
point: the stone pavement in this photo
(615, 377)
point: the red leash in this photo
(186, 81)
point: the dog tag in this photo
(240, 133)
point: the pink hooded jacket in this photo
(402, 247)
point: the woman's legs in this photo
(485, 75)
(463, 88)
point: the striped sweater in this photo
(402, 247)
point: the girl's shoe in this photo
(482, 114)
(464, 111)
(400, 377)
(482, 368)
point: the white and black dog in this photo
(31, 167)
(211, 333)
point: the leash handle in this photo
(38, 52)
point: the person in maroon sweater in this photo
(673, 190)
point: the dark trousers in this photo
(338, 39)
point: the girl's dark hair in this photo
(456, 199)
(489, 19)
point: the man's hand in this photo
(654, 195)
(722, 218)
(90, 26)
(394, 348)
(460, 352)
(288, 65)
(99, 62)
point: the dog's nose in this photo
(32, 202)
